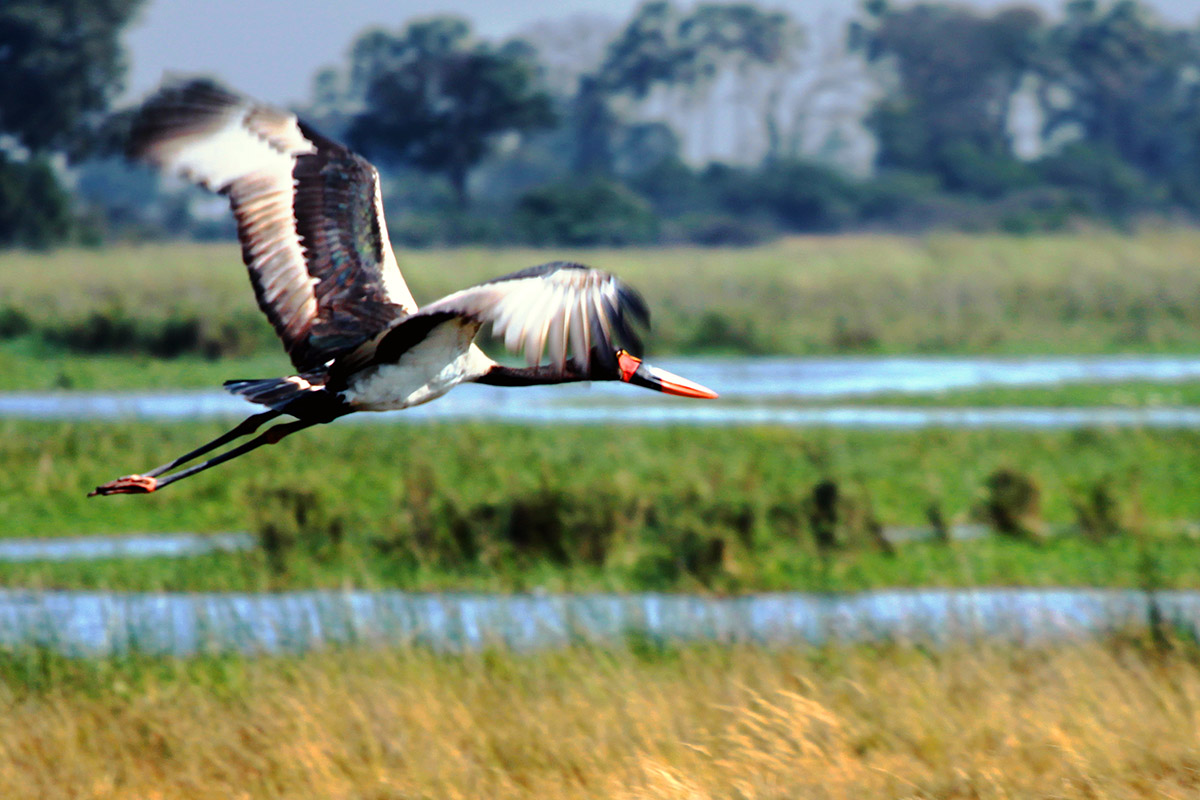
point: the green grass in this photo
(1163, 562)
(29, 364)
(591, 508)
(371, 474)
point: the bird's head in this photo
(634, 370)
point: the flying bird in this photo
(315, 242)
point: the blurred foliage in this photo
(594, 213)
(1116, 93)
(1105, 96)
(437, 100)
(1120, 130)
(1012, 503)
(62, 62)
(663, 44)
(35, 211)
(956, 73)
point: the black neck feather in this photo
(500, 375)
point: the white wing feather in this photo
(557, 308)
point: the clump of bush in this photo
(689, 554)
(1012, 504)
(661, 540)
(1097, 512)
(289, 522)
(595, 213)
(35, 209)
(117, 330)
(822, 513)
(717, 331)
(559, 525)
(14, 322)
(717, 230)
(937, 522)
(838, 519)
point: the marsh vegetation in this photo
(182, 315)
(500, 507)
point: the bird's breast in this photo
(424, 372)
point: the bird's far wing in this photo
(308, 210)
(558, 309)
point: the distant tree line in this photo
(721, 123)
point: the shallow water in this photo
(94, 623)
(183, 545)
(747, 378)
(171, 545)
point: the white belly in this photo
(443, 360)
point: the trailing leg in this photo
(149, 482)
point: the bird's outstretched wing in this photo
(557, 309)
(308, 210)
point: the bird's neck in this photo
(500, 375)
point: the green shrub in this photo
(1097, 512)
(721, 332)
(799, 196)
(721, 230)
(965, 168)
(824, 515)
(288, 521)
(597, 212)
(35, 210)
(13, 322)
(1012, 503)
(1101, 180)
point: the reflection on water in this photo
(749, 378)
(82, 623)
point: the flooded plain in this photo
(112, 622)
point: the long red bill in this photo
(639, 373)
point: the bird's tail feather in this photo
(299, 395)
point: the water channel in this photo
(745, 380)
(101, 623)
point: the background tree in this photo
(646, 52)
(1128, 89)
(437, 101)
(951, 76)
(684, 54)
(62, 63)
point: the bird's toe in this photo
(129, 484)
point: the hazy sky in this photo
(271, 48)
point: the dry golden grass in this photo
(1078, 721)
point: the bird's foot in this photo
(129, 484)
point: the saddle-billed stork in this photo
(314, 239)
